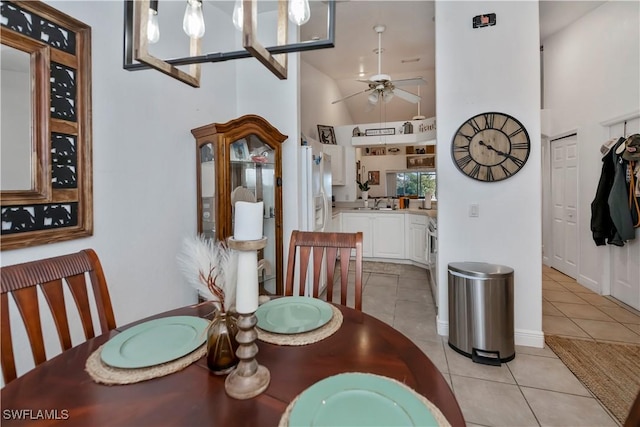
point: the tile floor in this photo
(534, 389)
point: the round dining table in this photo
(196, 397)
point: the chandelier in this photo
(142, 29)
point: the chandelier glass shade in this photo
(153, 28)
(193, 21)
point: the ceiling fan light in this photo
(373, 98)
(387, 96)
(299, 12)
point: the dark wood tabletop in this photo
(195, 397)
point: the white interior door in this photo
(564, 197)
(546, 202)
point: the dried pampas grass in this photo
(211, 268)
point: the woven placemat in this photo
(105, 374)
(306, 337)
(437, 414)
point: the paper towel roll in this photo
(248, 221)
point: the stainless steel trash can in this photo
(481, 311)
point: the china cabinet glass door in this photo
(253, 169)
(241, 161)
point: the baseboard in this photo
(589, 283)
(522, 337)
(443, 327)
(529, 338)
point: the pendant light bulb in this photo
(299, 12)
(153, 28)
(238, 15)
(373, 98)
(193, 22)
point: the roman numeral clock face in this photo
(490, 147)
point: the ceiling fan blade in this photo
(416, 81)
(350, 96)
(407, 96)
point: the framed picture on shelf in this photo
(326, 135)
(239, 150)
(374, 177)
(421, 162)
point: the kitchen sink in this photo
(372, 209)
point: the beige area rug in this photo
(610, 371)
(378, 267)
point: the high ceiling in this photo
(408, 50)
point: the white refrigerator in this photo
(315, 182)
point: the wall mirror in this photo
(25, 158)
(46, 126)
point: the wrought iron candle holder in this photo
(248, 379)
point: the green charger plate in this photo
(358, 399)
(293, 315)
(154, 342)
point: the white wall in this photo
(317, 91)
(490, 69)
(591, 75)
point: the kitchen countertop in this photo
(414, 211)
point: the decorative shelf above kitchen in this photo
(394, 133)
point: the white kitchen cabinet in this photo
(417, 238)
(383, 234)
(337, 163)
(353, 222)
(335, 223)
(388, 236)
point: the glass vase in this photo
(222, 344)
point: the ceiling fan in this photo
(381, 87)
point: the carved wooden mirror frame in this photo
(60, 206)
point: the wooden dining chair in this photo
(49, 276)
(328, 246)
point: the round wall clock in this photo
(490, 147)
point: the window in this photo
(412, 183)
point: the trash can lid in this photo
(480, 269)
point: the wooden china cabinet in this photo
(240, 160)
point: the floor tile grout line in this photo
(613, 320)
(523, 396)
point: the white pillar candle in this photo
(248, 221)
(247, 282)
